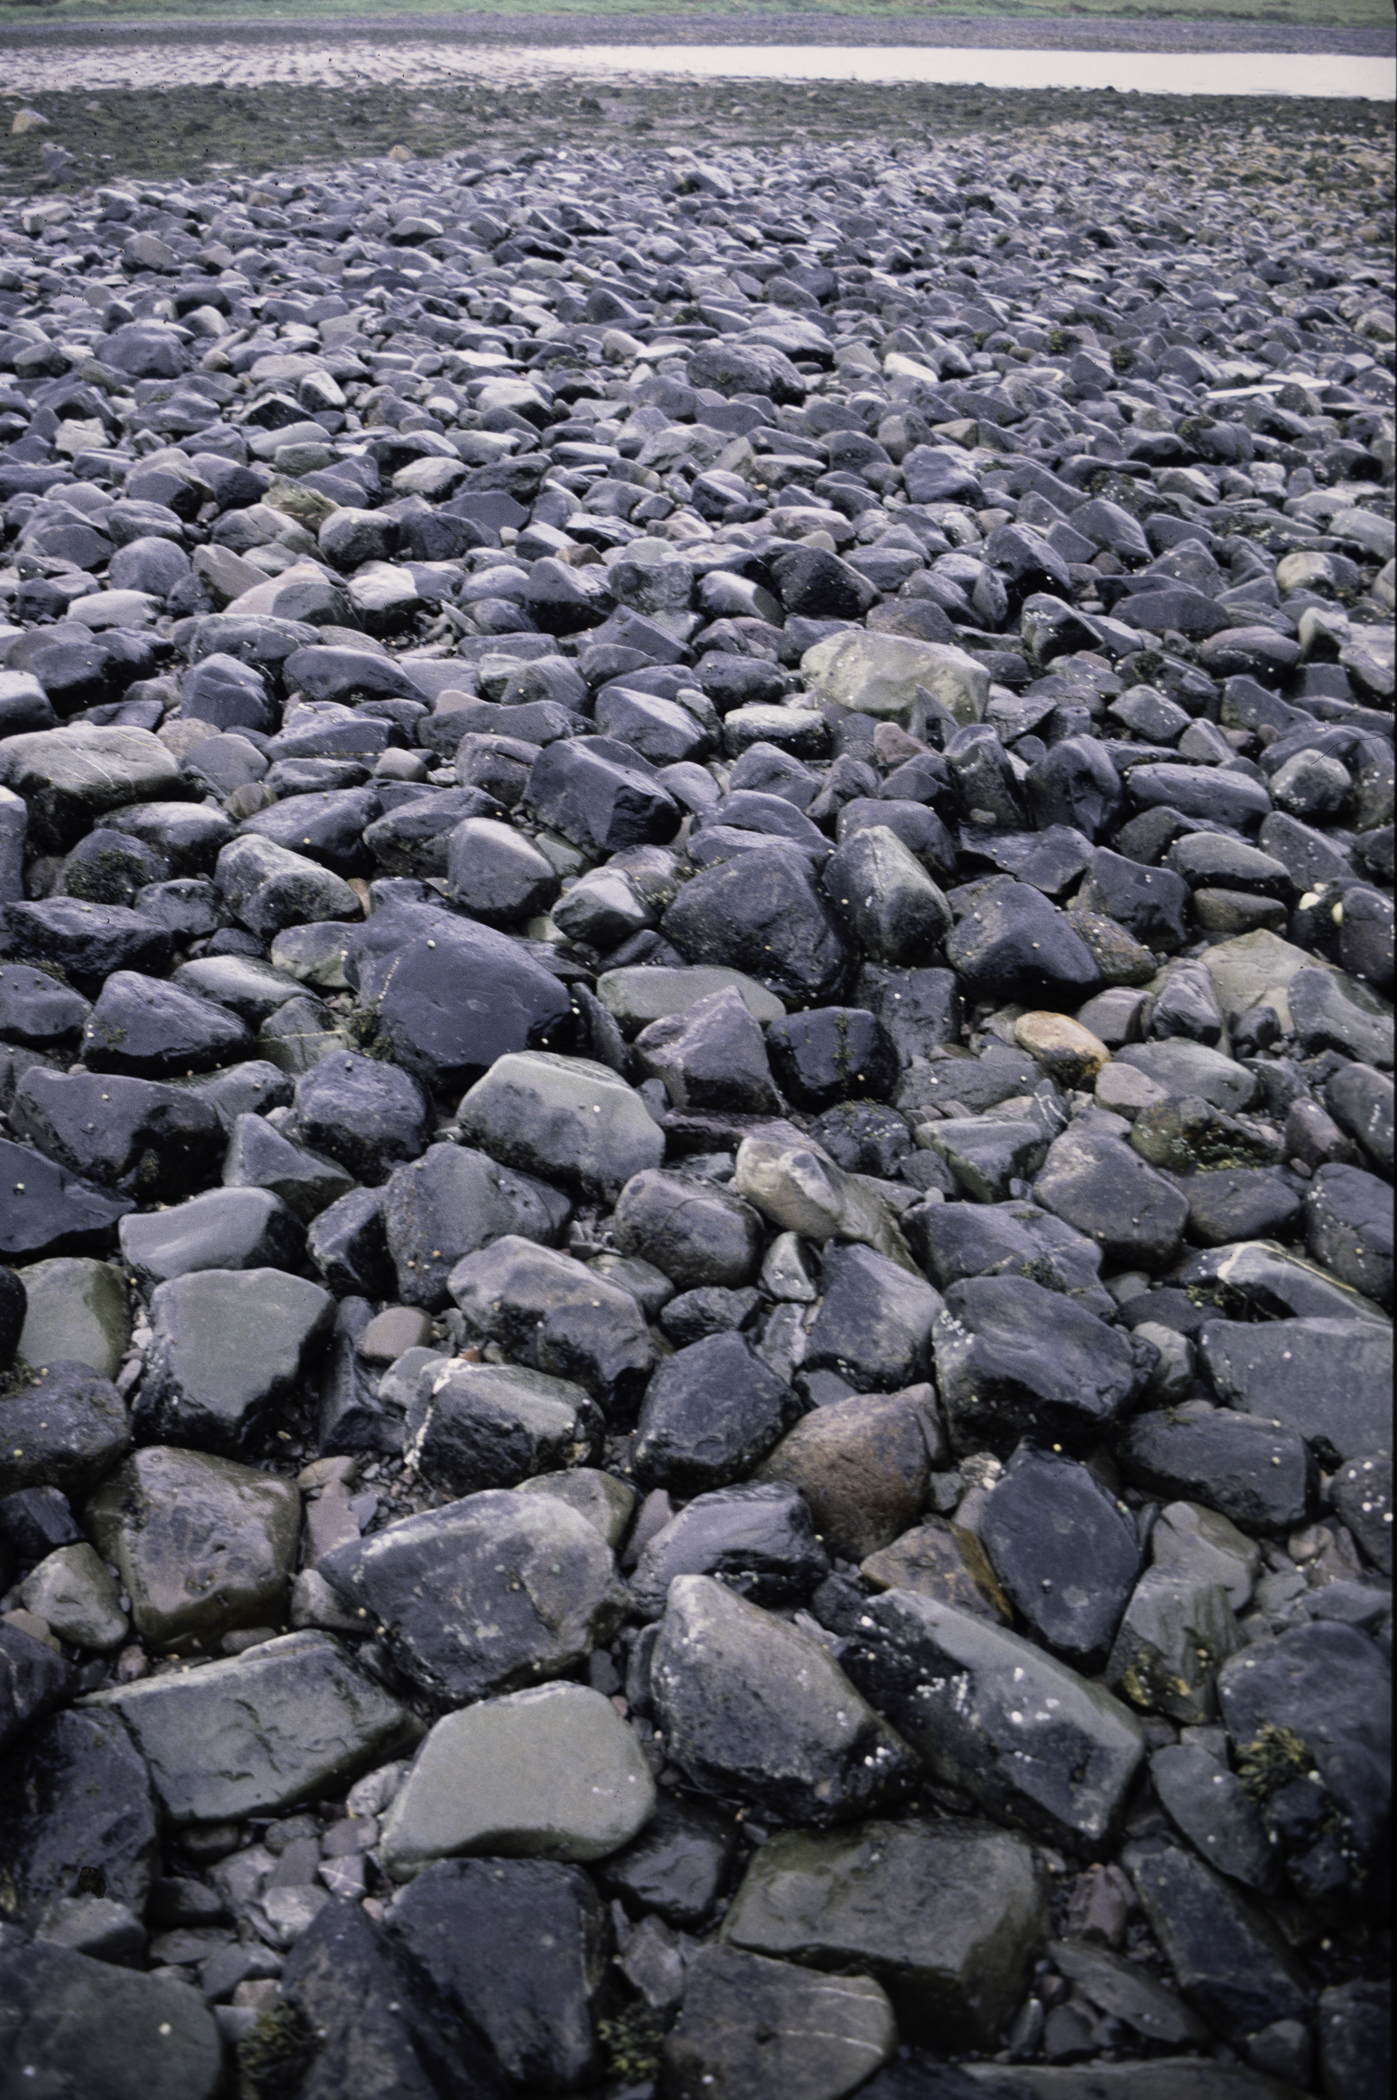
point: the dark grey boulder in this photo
(65, 1427)
(1331, 1380)
(558, 1315)
(1013, 944)
(753, 1707)
(486, 1595)
(518, 1950)
(710, 1413)
(710, 1058)
(948, 1916)
(696, 1233)
(33, 1679)
(762, 914)
(875, 1323)
(1257, 1474)
(289, 1721)
(49, 1211)
(80, 2025)
(1065, 1550)
(1014, 1359)
(132, 1134)
(1101, 1187)
(1229, 1960)
(222, 1229)
(477, 1426)
(367, 2023)
(449, 997)
(832, 1054)
(1318, 1698)
(230, 1348)
(990, 1714)
(452, 1201)
(77, 1817)
(759, 1540)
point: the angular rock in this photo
(1014, 1359)
(202, 1546)
(758, 1540)
(697, 1234)
(132, 1134)
(989, 1714)
(1328, 1379)
(764, 915)
(751, 1706)
(1317, 1699)
(224, 1229)
(82, 2025)
(1105, 1190)
(1065, 1551)
(78, 1817)
(480, 1426)
(1259, 1476)
(48, 1211)
(711, 1411)
(558, 1315)
(947, 1916)
(451, 1202)
(563, 1118)
(291, 1720)
(365, 1114)
(230, 1347)
(483, 1595)
(875, 1322)
(1177, 1631)
(1229, 1961)
(518, 1949)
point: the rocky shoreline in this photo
(696, 1054)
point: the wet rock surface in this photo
(696, 1065)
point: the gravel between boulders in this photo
(696, 1063)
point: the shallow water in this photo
(419, 62)
(1127, 72)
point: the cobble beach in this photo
(696, 1055)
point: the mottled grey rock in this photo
(947, 1916)
(988, 1713)
(230, 1346)
(1177, 1631)
(751, 1706)
(760, 2026)
(288, 1721)
(484, 1595)
(562, 1118)
(202, 1545)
